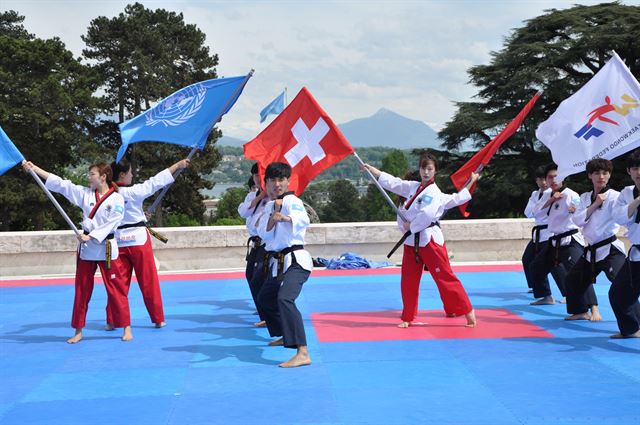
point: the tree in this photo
(375, 207)
(559, 52)
(227, 207)
(142, 56)
(395, 163)
(343, 205)
(48, 110)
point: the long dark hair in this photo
(120, 167)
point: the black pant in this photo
(527, 257)
(580, 292)
(623, 295)
(277, 299)
(544, 263)
(251, 262)
(257, 276)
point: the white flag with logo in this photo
(601, 120)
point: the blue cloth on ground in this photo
(350, 261)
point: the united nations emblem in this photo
(177, 108)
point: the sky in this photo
(354, 56)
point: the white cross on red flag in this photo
(302, 136)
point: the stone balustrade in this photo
(222, 247)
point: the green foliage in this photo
(179, 220)
(227, 207)
(559, 52)
(343, 205)
(141, 56)
(48, 110)
(395, 163)
(375, 207)
(228, 222)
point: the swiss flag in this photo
(302, 136)
(484, 155)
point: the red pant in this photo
(113, 283)
(452, 293)
(140, 259)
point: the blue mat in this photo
(210, 366)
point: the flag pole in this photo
(384, 193)
(157, 201)
(54, 201)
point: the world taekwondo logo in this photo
(177, 108)
(589, 130)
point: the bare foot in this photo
(548, 300)
(276, 342)
(300, 359)
(109, 327)
(471, 319)
(161, 325)
(127, 335)
(451, 315)
(595, 314)
(620, 336)
(260, 324)
(530, 291)
(581, 316)
(563, 300)
(404, 325)
(76, 338)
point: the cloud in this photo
(355, 57)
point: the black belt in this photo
(257, 241)
(535, 234)
(130, 225)
(107, 255)
(280, 256)
(416, 242)
(592, 249)
(109, 236)
(558, 239)
(153, 233)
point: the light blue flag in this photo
(275, 107)
(186, 117)
(10, 156)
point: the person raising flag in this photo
(103, 210)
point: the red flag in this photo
(484, 155)
(302, 136)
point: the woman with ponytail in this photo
(136, 252)
(103, 209)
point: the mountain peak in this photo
(384, 111)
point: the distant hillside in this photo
(389, 129)
(384, 128)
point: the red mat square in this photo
(381, 326)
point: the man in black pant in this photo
(605, 253)
(625, 290)
(565, 244)
(539, 233)
(282, 227)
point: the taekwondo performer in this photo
(425, 205)
(134, 241)
(282, 227)
(625, 290)
(251, 209)
(539, 232)
(103, 209)
(565, 245)
(604, 252)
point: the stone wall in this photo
(222, 247)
